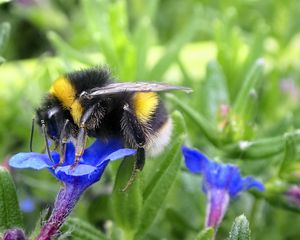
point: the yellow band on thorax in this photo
(144, 104)
(63, 90)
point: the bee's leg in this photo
(82, 136)
(46, 140)
(138, 132)
(80, 145)
(63, 139)
(140, 159)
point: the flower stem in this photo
(217, 203)
(64, 204)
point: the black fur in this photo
(84, 80)
(108, 117)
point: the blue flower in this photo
(88, 171)
(221, 182)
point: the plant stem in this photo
(64, 204)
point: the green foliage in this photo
(76, 228)
(135, 209)
(127, 205)
(160, 183)
(240, 229)
(4, 1)
(10, 214)
(241, 58)
(4, 33)
(205, 234)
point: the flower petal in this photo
(30, 160)
(236, 183)
(81, 178)
(100, 149)
(195, 161)
(120, 154)
(70, 154)
(217, 204)
(79, 170)
(250, 182)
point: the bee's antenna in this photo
(46, 140)
(31, 135)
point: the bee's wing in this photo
(115, 88)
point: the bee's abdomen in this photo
(145, 105)
(159, 117)
(160, 126)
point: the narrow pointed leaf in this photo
(4, 33)
(127, 205)
(261, 148)
(66, 50)
(80, 229)
(290, 153)
(240, 229)
(205, 234)
(2, 60)
(141, 41)
(244, 101)
(214, 91)
(207, 128)
(161, 182)
(10, 214)
(175, 46)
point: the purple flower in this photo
(293, 195)
(88, 171)
(221, 182)
(14, 234)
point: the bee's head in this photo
(48, 116)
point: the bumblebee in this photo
(89, 103)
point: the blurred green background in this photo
(241, 57)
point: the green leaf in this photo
(44, 215)
(2, 60)
(262, 148)
(240, 229)
(214, 91)
(290, 154)
(66, 50)
(205, 234)
(103, 35)
(258, 149)
(174, 47)
(80, 229)
(178, 220)
(10, 214)
(162, 180)
(208, 129)
(244, 101)
(4, 33)
(127, 205)
(142, 42)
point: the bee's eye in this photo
(52, 111)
